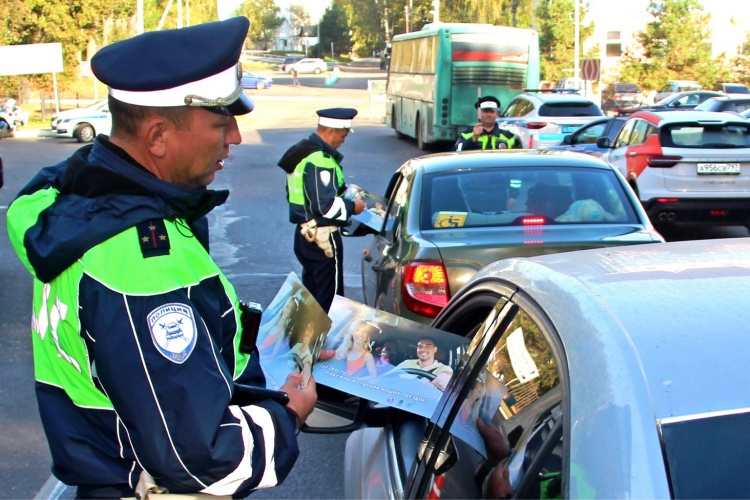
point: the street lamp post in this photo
(577, 60)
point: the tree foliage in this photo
(264, 21)
(671, 47)
(334, 29)
(556, 26)
(298, 17)
(497, 12)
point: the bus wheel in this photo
(394, 121)
(421, 144)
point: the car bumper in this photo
(703, 211)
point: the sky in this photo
(314, 7)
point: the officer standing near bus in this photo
(317, 208)
(486, 134)
(140, 342)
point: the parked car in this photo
(732, 88)
(84, 124)
(619, 95)
(290, 60)
(91, 109)
(679, 101)
(607, 373)
(308, 65)
(725, 103)
(541, 119)
(253, 81)
(450, 214)
(673, 86)
(691, 167)
(584, 139)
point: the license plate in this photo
(718, 168)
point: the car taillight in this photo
(617, 96)
(661, 161)
(533, 125)
(424, 288)
(533, 221)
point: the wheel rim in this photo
(260, 85)
(87, 134)
(317, 71)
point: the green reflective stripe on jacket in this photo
(24, 212)
(492, 139)
(60, 354)
(296, 182)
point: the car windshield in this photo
(584, 108)
(694, 135)
(523, 196)
(712, 449)
(627, 87)
(736, 89)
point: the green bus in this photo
(436, 75)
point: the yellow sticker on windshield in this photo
(446, 220)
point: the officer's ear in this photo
(156, 133)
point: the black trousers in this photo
(322, 276)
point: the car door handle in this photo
(632, 153)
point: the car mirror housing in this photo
(568, 139)
(603, 142)
(356, 229)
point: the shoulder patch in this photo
(173, 331)
(153, 237)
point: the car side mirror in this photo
(356, 229)
(568, 139)
(603, 142)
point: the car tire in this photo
(84, 133)
(317, 71)
(260, 85)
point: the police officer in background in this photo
(317, 208)
(486, 134)
(135, 328)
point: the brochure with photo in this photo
(374, 213)
(292, 331)
(387, 359)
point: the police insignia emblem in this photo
(173, 331)
(325, 177)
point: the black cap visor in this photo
(242, 106)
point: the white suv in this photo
(543, 118)
(687, 167)
(308, 65)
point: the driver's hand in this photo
(498, 485)
(495, 441)
(359, 206)
(301, 400)
(441, 381)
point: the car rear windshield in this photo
(627, 87)
(707, 457)
(516, 197)
(695, 135)
(570, 109)
(736, 89)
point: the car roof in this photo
(445, 162)
(555, 97)
(657, 325)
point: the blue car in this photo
(583, 140)
(253, 81)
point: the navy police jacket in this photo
(136, 335)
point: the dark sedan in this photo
(450, 214)
(725, 103)
(679, 101)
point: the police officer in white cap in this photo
(317, 208)
(136, 333)
(486, 134)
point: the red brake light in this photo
(533, 221)
(424, 288)
(533, 125)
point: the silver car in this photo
(606, 373)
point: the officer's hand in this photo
(478, 130)
(359, 206)
(495, 442)
(301, 400)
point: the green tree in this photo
(334, 29)
(739, 66)
(298, 17)
(672, 46)
(556, 26)
(499, 13)
(264, 21)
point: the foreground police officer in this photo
(486, 134)
(135, 328)
(317, 208)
